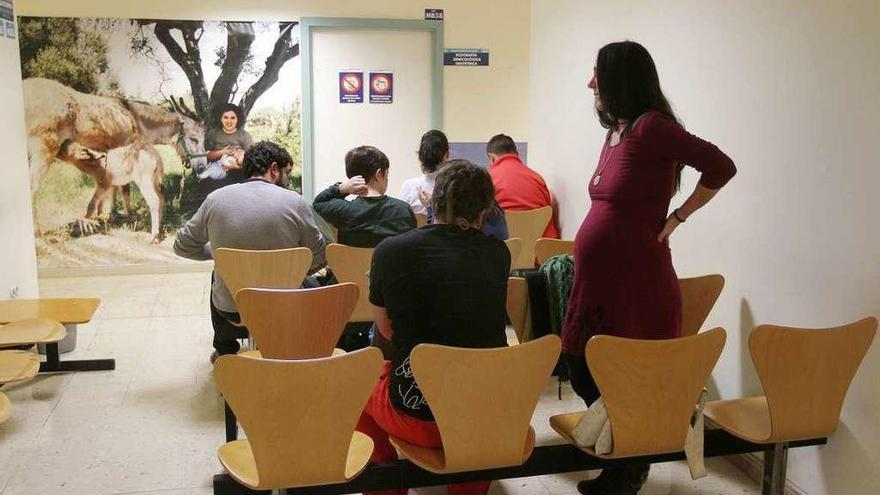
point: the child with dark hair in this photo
(372, 215)
(444, 284)
(433, 153)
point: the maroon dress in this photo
(624, 282)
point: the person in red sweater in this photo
(517, 187)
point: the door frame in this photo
(307, 24)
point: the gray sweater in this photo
(251, 215)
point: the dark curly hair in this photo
(432, 149)
(462, 191)
(259, 157)
(365, 161)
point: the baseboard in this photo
(753, 465)
(99, 271)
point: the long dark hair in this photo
(432, 150)
(628, 87)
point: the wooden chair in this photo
(269, 269)
(698, 297)
(15, 366)
(299, 417)
(514, 245)
(518, 308)
(639, 380)
(805, 374)
(421, 220)
(528, 225)
(547, 248)
(482, 400)
(31, 331)
(296, 323)
(351, 264)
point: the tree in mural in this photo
(59, 49)
(234, 60)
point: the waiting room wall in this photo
(18, 263)
(789, 91)
(478, 101)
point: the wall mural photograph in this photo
(131, 123)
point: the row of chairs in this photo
(21, 365)
(483, 400)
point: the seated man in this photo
(260, 213)
(371, 216)
(517, 187)
(444, 283)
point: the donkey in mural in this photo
(57, 116)
(114, 170)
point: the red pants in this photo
(380, 419)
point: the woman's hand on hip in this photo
(671, 224)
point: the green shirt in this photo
(364, 221)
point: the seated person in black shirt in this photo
(446, 284)
(371, 216)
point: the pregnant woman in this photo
(624, 282)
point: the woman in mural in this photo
(226, 146)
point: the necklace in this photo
(603, 163)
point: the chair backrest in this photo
(650, 387)
(421, 220)
(547, 248)
(806, 373)
(514, 245)
(518, 307)
(528, 225)
(299, 416)
(483, 399)
(297, 323)
(351, 264)
(698, 296)
(270, 269)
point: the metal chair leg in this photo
(775, 466)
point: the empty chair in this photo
(529, 226)
(351, 264)
(15, 366)
(31, 331)
(805, 374)
(269, 269)
(514, 245)
(482, 401)
(639, 379)
(297, 323)
(547, 248)
(518, 308)
(698, 297)
(299, 417)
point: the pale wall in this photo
(479, 101)
(18, 263)
(789, 91)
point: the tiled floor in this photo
(153, 425)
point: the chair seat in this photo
(434, 460)
(5, 408)
(259, 355)
(63, 310)
(16, 366)
(564, 424)
(32, 331)
(238, 458)
(747, 418)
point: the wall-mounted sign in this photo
(465, 56)
(433, 14)
(351, 87)
(382, 87)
